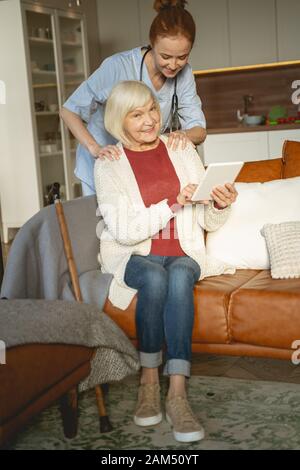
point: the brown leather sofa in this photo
(248, 313)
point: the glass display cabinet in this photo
(46, 60)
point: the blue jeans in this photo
(165, 309)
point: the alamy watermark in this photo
(296, 354)
(2, 92)
(2, 352)
(129, 225)
(296, 94)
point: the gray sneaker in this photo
(148, 411)
(186, 427)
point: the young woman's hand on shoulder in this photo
(178, 140)
(110, 152)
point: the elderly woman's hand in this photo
(224, 195)
(177, 139)
(184, 197)
(111, 152)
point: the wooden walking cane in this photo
(105, 425)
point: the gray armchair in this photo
(37, 267)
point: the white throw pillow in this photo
(283, 243)
(239, 241)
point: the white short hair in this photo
(124, 98)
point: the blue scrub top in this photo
(89, 99)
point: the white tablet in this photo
(216, 174)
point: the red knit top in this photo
(157, 180)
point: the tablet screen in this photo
(216, 174)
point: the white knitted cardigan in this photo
(129, 225)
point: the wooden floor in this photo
(235, 367)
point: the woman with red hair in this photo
(163, 66)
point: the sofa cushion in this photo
(291, 157)
(239, 241)
(266, 312)
(211, 299)
(259, 172)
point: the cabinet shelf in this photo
(40, 41)
(44, 85)
(76, 83)
(46, 113)
(51, 154)
(44, 72)
(73, 74)
(71, 44)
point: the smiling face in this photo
(141, 126)
(171, 54)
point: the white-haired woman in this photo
(153, 245)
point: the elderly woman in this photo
(153, 244)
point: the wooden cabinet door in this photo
(288, 28)
(146, 16)
(243, 146)
(252, 32)
(211, 48)
(118, 26)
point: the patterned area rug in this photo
(236, 414)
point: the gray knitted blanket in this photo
(28, 321)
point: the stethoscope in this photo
(173, 120)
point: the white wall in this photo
(119, 25)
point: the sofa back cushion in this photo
(291, 158)
(267, 170)
(239, 241)
(262, 171)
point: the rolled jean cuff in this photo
(177, 367)
(150, 360)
